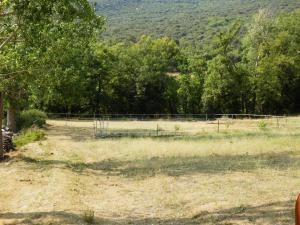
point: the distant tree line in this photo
(247, 68)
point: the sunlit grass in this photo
(235, 176)
(27, 136)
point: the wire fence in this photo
(147, 117)
(163, 125)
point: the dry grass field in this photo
(241, 175)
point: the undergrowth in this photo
(27, 136)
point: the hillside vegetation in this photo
(249, 67)
(184, 20)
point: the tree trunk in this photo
(1, 116)
(11, 119)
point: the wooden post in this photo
(94, 129)
(94, 125)
(218, 126)
(1, 116)
(66, 118)
(157, 130)
(277, 122)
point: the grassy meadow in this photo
(247, 173)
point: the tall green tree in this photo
(142, 76)
(158, 62)
(191, 82)
(31, 29)
(225, 81)
(272, 46)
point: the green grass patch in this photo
(28, 136)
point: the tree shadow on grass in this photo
(77, 134)
(227, 135)
(272, 213)
(177, 165)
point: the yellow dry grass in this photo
(241, 175)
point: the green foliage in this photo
(89, 216)
(42, 43)
(28, 136)
(176, 128)
(224, 83)
(262, 125)
(188, 21)
(128, 79)
(191, 82)
(273, 62)
(245, 67)
(30, 118)
(248, 68)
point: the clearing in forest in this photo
(237, 176)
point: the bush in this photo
(28, 136)
(89, 216)
(262, 125)
(30, 118)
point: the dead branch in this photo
(8, 39)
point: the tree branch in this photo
(6, 14)
(17, 73)
(8, 39)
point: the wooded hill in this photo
(188, 21)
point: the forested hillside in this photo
(184, 20)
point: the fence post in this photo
(157, 130)
(277, 122)
(218, 126)
(96, 128)
(66, 119)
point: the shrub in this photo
(177, 128)
(28, 136)
(30, 118)
(89, 216)
(262, 125)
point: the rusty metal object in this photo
(297, 211)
